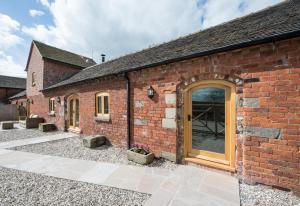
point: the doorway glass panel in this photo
(77, 113)
(71, 107)
(208, 119)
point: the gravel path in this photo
(73, 148)
(261, 195)
(15, 134)
(24, 188)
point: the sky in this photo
(114, 27)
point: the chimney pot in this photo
(103, 57)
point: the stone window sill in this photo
(104, 118)
(51, 114)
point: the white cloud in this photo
(45, 3)
(216, 12)
(117, 27)
(35, 13)
(8, 66)
(8, 29)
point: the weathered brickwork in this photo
(36, 65)
(8, 92)
(115, 130)
(271, 107)
(57, 71)
(267, 79)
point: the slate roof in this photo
(64, 56)
(20, 94)
(277, 22)
(12, 82)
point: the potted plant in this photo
(140, 154)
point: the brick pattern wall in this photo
(272, 156)
(270, 108)
(268, 113)
(36, 65)
(115, 130)
(56, 71)
(7, 92)
(2, 94)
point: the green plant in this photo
(140, 149)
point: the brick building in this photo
(10, 86)
(226, 97)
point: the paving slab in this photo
(35, 140)
(184, 186)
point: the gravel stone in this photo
(262, 195)
(73, 148)
(20, 133)
(18, 188)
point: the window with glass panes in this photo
(102, 104)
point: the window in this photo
(102, 105)
(52, 105)
(33, 78)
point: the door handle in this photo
(189, 117)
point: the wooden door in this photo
(209, 123)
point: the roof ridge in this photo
(39, 42)
(12, 77)
(190, 34)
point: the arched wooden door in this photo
(73, 112)
(210, 123)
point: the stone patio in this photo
(35, 140)
(186, 185)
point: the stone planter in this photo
(140, 158)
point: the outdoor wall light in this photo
(150, 92)
(58, 100)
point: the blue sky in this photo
(20, 12)
(115, 27)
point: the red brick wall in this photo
(264, 160)
(56, 71)
(272, 104)
(47, 72)
(8, 92)
(2, 94)
(19, 100)
(115, 130)
(151, 133)
(35, 64)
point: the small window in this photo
(102, 105)
(51, 105)
(33, 78)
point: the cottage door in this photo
(209, 123)
(73, 112)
